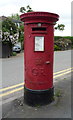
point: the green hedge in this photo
(57, 37)
(67, 37)
(56, 48)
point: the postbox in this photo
(38, 56)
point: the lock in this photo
(47, 62)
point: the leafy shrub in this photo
(72, 47)
(70, 38)
(14, 54)
(66, 37)
(56, 48)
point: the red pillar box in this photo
(38, 55)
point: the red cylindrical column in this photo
(38, 55)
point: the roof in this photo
(14, 20)
(3, 17)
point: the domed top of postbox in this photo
(43, 17)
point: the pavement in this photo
(60, 108)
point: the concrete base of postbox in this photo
(38, 97)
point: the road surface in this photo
(13, 68)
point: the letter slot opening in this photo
(39, 29)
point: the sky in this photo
(60, 7)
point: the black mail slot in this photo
(39, 29)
